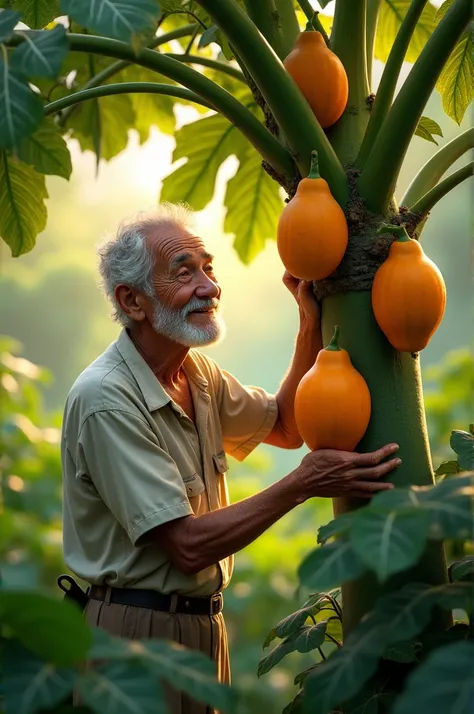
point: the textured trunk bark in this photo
(398, 415)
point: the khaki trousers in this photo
(205, 633)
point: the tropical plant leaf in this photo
(391, 16)
(22, 209)
(395, 618)
(21, 110)
(150, 109)
(330, 565)
(47, 151)
(122, 688)
(450, 508)
(293, 622)
(41, 54)
(427, 129)
(8, 20)
(448, 468)
(31, 684)
(306, 639)
(253, 205)
(389, 541)
(102, 125)
(335, 528)
(37, 13)
(122, 19)
(55, 630)
(462, 442)
(462, 569)
(455, 83)
(443, 683)
(205, 143)
(187, 670)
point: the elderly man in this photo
(146, 430)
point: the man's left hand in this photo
(302, 291)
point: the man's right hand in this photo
(329, 473)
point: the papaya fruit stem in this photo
(400, 231)
(314, 170)
(333, 346)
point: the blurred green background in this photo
(53, 315)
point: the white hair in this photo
(126, 258)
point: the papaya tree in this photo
(92, 71)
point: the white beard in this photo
(173, 323)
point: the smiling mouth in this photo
(204, 311)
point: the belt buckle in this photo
(215, 604)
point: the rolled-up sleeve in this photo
(137, 480)
(247, 414)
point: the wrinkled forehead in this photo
(174, 245)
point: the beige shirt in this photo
(133, 460)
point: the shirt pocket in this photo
(194, 485)
(221, 464)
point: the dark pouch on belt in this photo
(74, 593)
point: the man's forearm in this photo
(207, 539)
(308, 344)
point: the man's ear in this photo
(132, 302)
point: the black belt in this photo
(157, 601)
(150, 599)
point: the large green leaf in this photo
(427, 128)
(21, 110)
(102, 125)
(462, 442)
(37, 13)
(330, 565)
(391, 16)
(189, 671)
(306, 639)
(8, 20)
(455, 83)
(31, 684)
(444, 683)
(336, 527)
(47, 151)
(451, 509)
(55, 630)
(395, 618)
(293, 622)
(22, 209)
(150, 109)
(41, 54)
(122, 688)
(253, 205)
(122, 19)
(205, 143)
(389, 541)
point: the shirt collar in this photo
(154, 394)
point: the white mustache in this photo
(198, 304)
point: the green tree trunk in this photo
(398, 415)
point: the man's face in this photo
(186, 308)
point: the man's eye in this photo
(183, 274)
(209, 269)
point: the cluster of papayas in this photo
(332, 402)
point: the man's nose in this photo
(207, 288)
